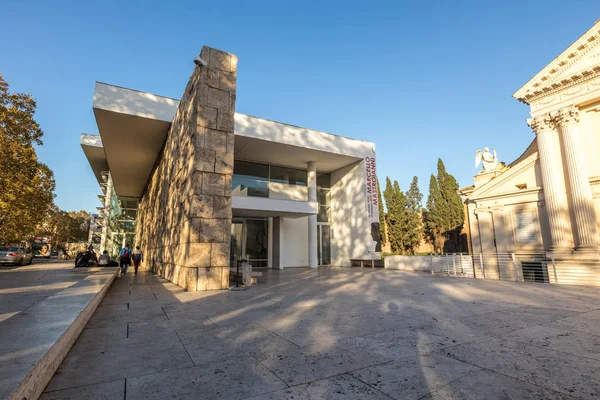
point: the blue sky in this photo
(421, 79)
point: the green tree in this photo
(395, 202)
(382, 228)
(445, 212)
(66, 226)
(26, 184)
(413, 226)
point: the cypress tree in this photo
(412, 227)
(396, 205)
(445, 212)
(382, 228)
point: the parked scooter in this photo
(86, 258)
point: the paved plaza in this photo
(337, 334)
(23, 287)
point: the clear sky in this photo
(421, 79)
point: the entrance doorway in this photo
(249, 241)
(324, 244)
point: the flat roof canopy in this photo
(94, 152)
(133, 126)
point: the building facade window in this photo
(288, 176)
(324, 197)
(254, 179)
(250, 179)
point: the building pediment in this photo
(580, 62)
(521, 177)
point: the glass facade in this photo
(249, 241)
(324, 197)
(252, 179)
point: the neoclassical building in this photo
(547, 201)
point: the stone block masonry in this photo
(184, 216)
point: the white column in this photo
(567, 120)
(270, 244)
(553, 182)
(106, 213)
(313, 261)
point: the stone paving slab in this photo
(337, 333)
(557, 371)
(340, 387)
(35, 341)
(483, 384)
(113, 390)
(235, 378)
(414, 377)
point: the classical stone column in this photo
(580, 193)
(313, 261)
(553, 182)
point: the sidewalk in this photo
(48, 306)
(337, 334)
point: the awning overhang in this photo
(133, 126)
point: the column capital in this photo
(541, 123)
(566, 116)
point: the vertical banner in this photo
(371, 188)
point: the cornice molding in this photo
(547, 80)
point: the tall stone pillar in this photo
(553, 181)
(185, 212)
(313, 261)
(106, 213)
(567, 120)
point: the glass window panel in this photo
(323, 180)
(246, 187)
(323, 215)
(326, 245)
(324, 197)
(288, 175)
(248, 170)
(257, 240)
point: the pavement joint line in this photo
(82, 386)
(508, 376)
(185, 348)
(125, 390)
(163, 310)
(279, 335)
(451, 382)
(269, 369)
(539, 347)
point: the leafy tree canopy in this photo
(27, 185)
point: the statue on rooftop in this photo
(487, 159)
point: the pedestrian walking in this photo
(125, 259)
(137, 258)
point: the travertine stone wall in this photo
(185, 212)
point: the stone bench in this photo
(36, 341)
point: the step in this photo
(36, 341)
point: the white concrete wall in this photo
(350, 227)
(294, 251)
(407, 263)
(283, 191)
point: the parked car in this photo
(15, 255)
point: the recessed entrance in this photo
(250, 241)
(324, 244)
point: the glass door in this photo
(236, 243)
(249, 241)
(324, 244)
(256, 249)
